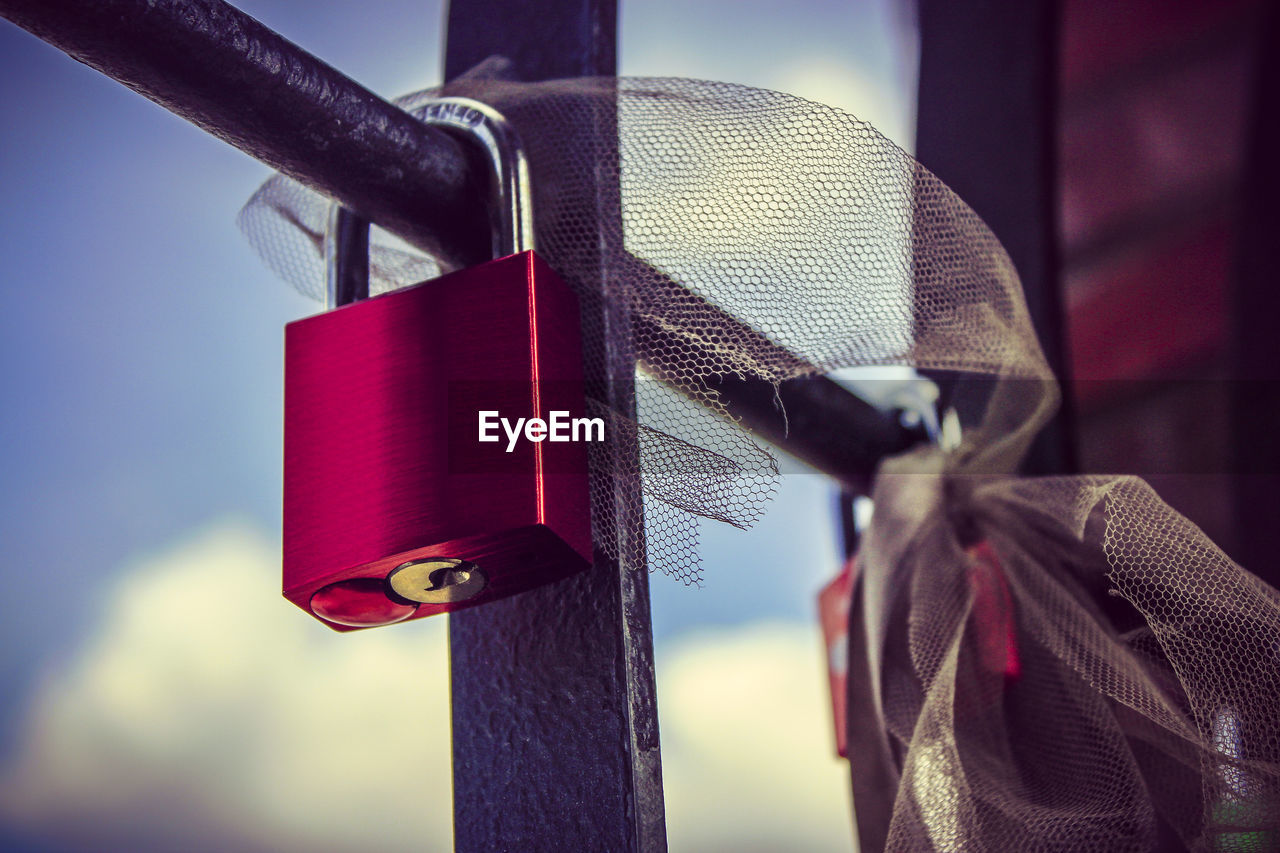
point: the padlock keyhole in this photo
(436, 580)
(449, 576)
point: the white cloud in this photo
(206, 708)
(831, 80)
(207, 713)
(748, 751)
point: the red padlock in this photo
(406, 490)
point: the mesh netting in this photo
(727, 230)
(826, 244)
(1144, 712)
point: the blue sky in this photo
(141, 343)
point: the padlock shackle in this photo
(511, 193)
(510, 204)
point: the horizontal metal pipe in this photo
(811, 417)
(229, 74)
(820, 423)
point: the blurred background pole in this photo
(987, 126)
(1255, 393)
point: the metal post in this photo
(555, 727)
(227, 73)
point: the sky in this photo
(157, 691)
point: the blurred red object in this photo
(992, 614)
(833, 611)
(992, 623)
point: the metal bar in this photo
(555, 726)
(810, 417)
(230, 75)
(986, 126)
(819, 423)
